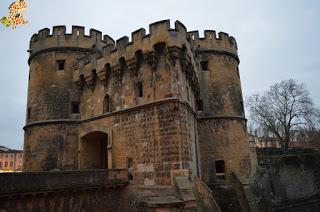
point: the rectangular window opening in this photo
(204, 65)
(200, 105)
(129, 163)
(220, 169)
(130, 168)
(139, 89)
(60, 65)
(75, 107)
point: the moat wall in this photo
(287, 182)
(95, 190)
(99, 190)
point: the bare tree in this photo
(284, 110)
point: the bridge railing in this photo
(25, 182)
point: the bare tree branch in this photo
(284, 110)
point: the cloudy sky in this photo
(277, 40)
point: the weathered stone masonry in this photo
(166, 103)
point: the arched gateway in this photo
(95, 149)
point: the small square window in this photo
(75, 107)
(60, 65)
(204, 65)
(139, 89)
(220, 167)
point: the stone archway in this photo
(94, 151)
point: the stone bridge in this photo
(91, 190)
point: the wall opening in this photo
(130, 168)
(94, 152)
(188, 97)
(204, 65)
(107, 69)
(106, 104)
(60, 65)
(139, 89)
(199, 105)
(29, 113)
(139, 56)
(220, 169)
(75, 107)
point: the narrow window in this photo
(60, 65)
(220, 169)
(204, 65)
(188, 93)
(129, 163)
(0, 164)
(139, 89)
(200, 105)
(106, 104)
(238, 71)
(5, 164)
(11, 164)
(130, 167)
(29, 113)
(75, 107)
(107, 69)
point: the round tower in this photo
(222, 126)
(51, 131)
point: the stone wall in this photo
(157, 137)
(222, 128)
(286, 181)
(98, 190)
(51, 147)
(158, 131)
(224, 139)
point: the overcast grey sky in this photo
(277, 39)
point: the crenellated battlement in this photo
(76, 39)
(159, 32)
(210, 41)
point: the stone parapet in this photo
(26, 182)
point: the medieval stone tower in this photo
(163, 104)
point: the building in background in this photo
(11, 160)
